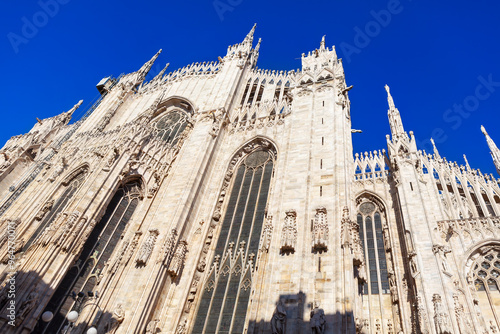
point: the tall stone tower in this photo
(222, 198)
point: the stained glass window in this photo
(226, 293)
(169, 127)
(372, 240)
(96, 251)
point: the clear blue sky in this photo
(433, 55)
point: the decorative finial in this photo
(257, 47)
(483, 130)
(389, 98)
(466, 162)
(250, 34)
(322, 45)
(436, 152)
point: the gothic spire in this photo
(436, 152)
(466, 163)
(143, 71)
(495, 152)
(395, 121)
(249, 37)
(76, 106)
(257, 47)
(322, 45)
(160, 75)
(390, 100)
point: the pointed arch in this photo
(247, 183)
(95, 252)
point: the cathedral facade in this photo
(222, 198)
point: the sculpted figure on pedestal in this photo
(318, 320)
(278, 321)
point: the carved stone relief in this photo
(147, 247)
(320, 230)
(289, 232)
(441, 318)
(177, 262)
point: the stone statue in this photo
(27, 304)
(441, 318)
(318, 320)
(152, 326)
(278, 321)
(43, 211)
(116, 320)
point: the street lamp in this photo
(47, 316)
(92, 330)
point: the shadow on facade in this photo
(296, 308)
(23, 300)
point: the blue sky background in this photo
(432, 55)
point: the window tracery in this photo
(484, 276)
(169, 127)
(96, 251)
(223, 304)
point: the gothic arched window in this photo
(372, 239)
(97, 249)
(485, 275)
(170, 126)
(66, 194)
(226, 293)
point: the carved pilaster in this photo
(441, 318)
(267, 234)
(289, 232)
(320, 230)
(147, 247)
(177, 262)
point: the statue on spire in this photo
(494, 151)
(395, 121)
(436, 152)
(257, 47)
(389, 98)
(322, 45)
(467, 163)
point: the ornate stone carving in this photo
(362, 325)
(168, 247)
(440, 251)
(182, 327)
(115, 320)
(156, 184)
(147, 247)
(421, 316)
(320, 230)
(27, 304)
(267, 234)
(152, 327)
(393, 288)
(82, 240)
(278, 321)
(58, 169)
(318, 320)
(441, 318)
(112, 156)
(43, 211)
(65, 230)
(178, 260)
(289, 232)
(462, 317)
